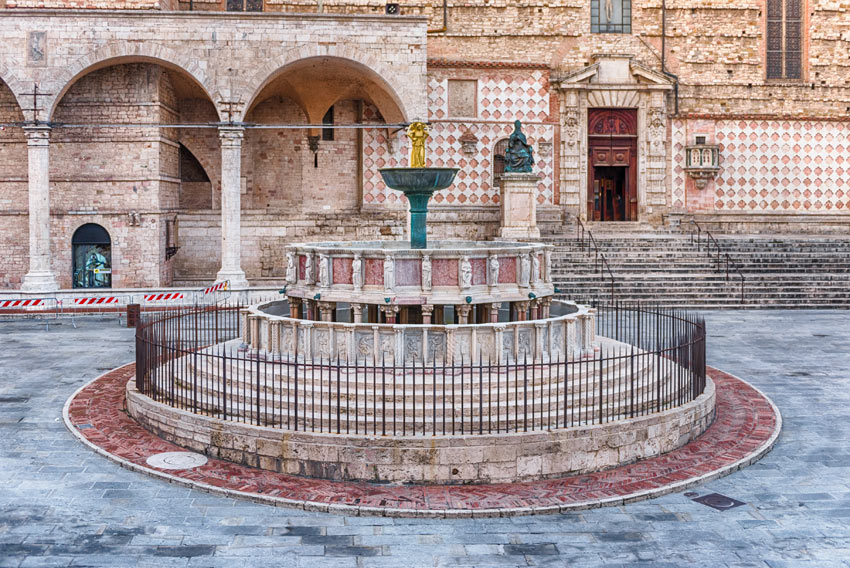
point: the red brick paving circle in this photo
(746, 427)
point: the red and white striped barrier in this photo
(20, 303)
(30, 308)
(217, 287)
(101, 301)
(164, 297)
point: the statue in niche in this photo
(324, 272)
(494, 271)
(357, 272)
(389, 273)
(524, 271)
(465, 272)
(519, 155)
(426, 272)
(291, 274)
(535, 267)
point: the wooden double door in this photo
(612, 143)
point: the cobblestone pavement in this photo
(63, 505)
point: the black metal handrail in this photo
(184, 360)
(600, 263)
(721, 255)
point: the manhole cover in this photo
(177, 460)
(718, 501)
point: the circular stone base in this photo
(464, 458)
(746, 428)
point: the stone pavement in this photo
(61, 504)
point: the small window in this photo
(499, 159)
(328, 133)
(611, 16)
(463, 95)
(784, 39)
(92, 252)
(244, 5)
(700, 140)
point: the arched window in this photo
(92, 251)
(499, 159)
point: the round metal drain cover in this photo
(177, 460)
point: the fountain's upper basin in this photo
(418, 180)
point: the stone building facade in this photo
(197, 134)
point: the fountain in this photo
(418, 183)
(443, 363)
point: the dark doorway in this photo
(612, 147)
(609, 194)
(92, 252)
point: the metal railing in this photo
(720, 257)
(651, 361)
(600, 263)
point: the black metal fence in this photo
(647, 360)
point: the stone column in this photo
(494, 312)
(308, 309)
(326, 310)
(390, 313)
(39, 279)
(521, 310)
(535, 309)
(357, 313)
(294, 304)
(274, 338)
(231, 188)
(427, 313)
(463, 313)
(545, 307)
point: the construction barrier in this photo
(94, 305)
(217, 287)
(215, 294)
(30, 308)
(164, 297)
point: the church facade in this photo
(150, 143)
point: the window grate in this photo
(611, 16)
(784, 39)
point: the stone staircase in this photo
(670, 270)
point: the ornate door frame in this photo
(615, 82)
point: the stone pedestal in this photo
(519, 206)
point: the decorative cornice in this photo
(449, 63)
(771, 117)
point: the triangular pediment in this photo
(614, 70)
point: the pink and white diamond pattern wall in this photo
(769, 165)
(503, 96)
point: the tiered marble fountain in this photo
(440, 363)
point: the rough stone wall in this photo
(14, 233)
(98, 175)
(95, 4)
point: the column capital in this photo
(427, 309)
(231, 135)
(37, 135)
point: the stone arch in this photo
(392, 107)
(14, 84)
(123, 52)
